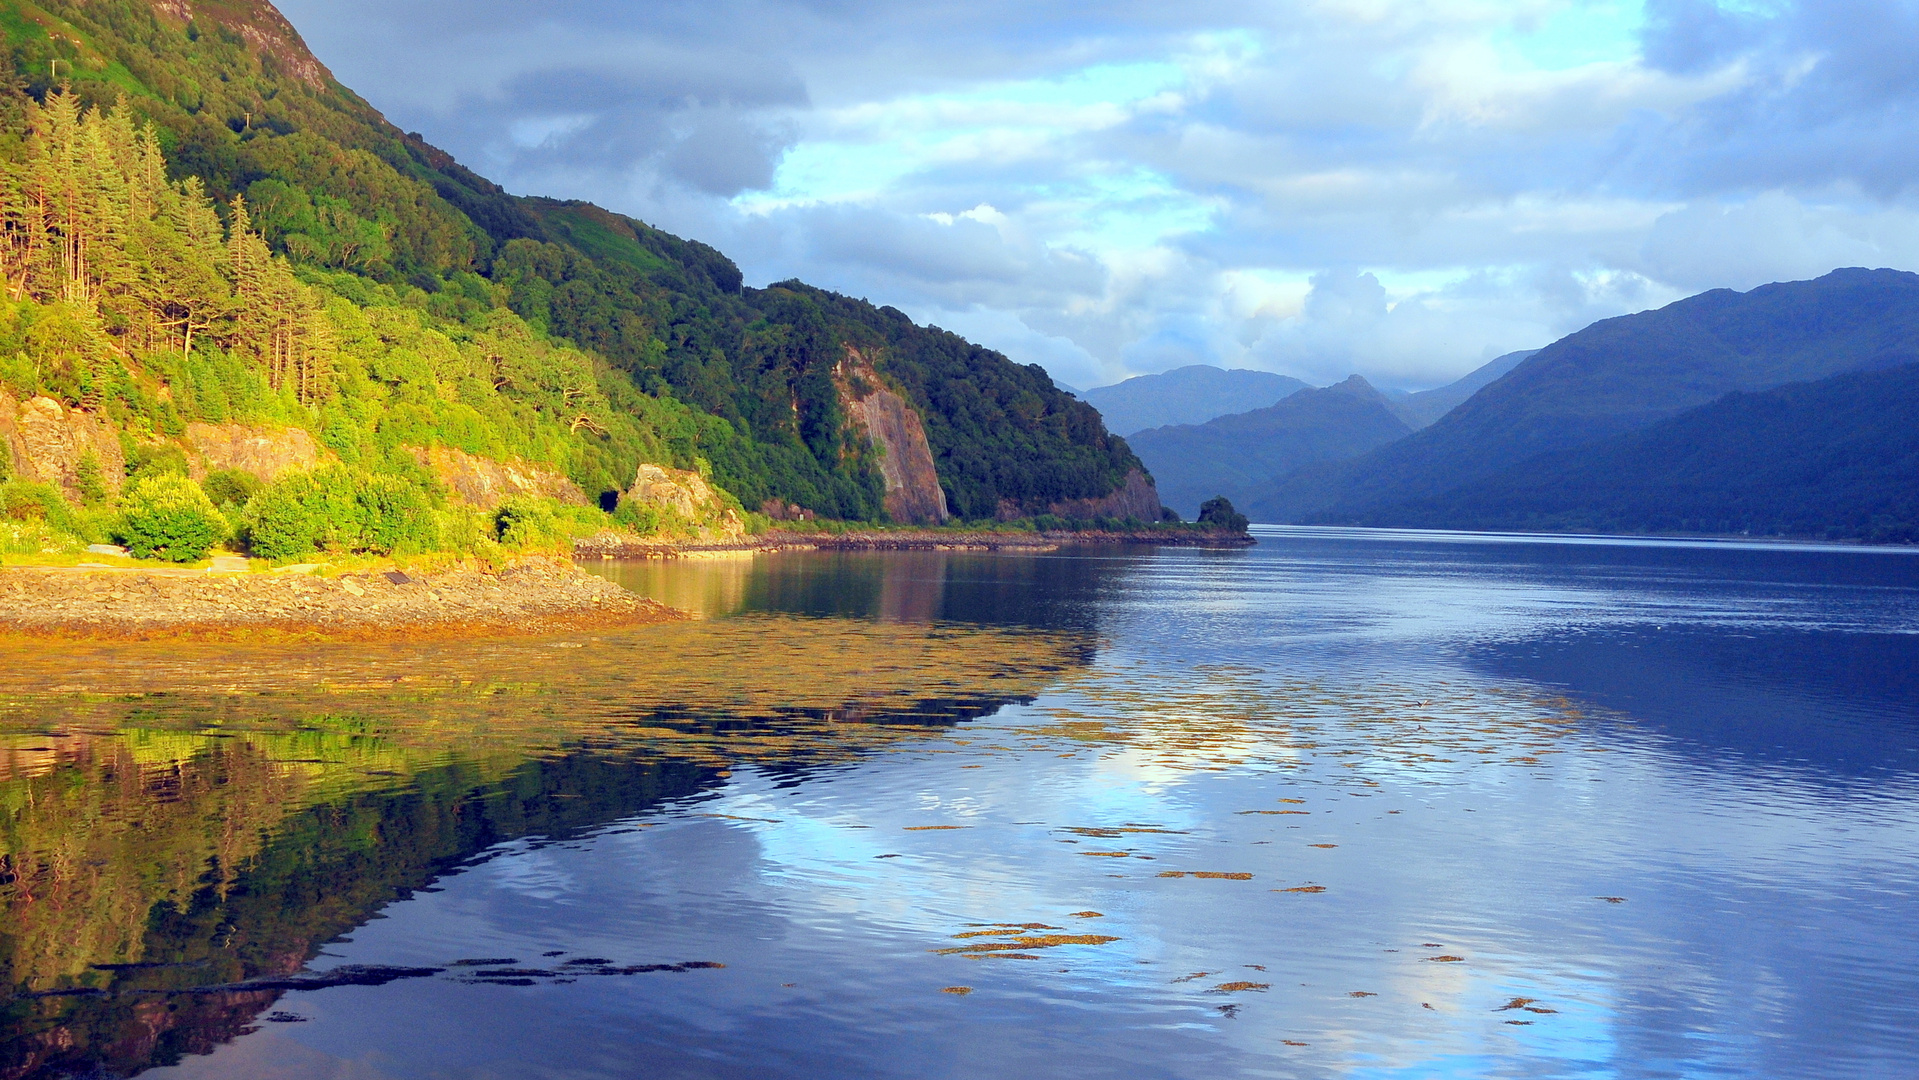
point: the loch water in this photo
(1345, 804)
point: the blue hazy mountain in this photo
(1189, 395)
(1834, 458)
(1421, 408)
(1618, 376)
(1238, 455)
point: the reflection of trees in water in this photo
(174, 839)
(262, 896)
(1057, 591)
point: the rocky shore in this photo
(535, 596)
(620, 546)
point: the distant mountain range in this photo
(1421, 408)
(1239, 455)
(1188, 395)
(1834, 458)
(1242, 454)
(1614, 377)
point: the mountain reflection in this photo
(180, 821)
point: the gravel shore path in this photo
(533, 597)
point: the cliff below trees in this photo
(893, 428)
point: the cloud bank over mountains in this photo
(1395, 187)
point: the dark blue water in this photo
(1347, 804)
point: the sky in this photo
(1399, 188)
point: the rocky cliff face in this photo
(266, 452)
(913, 492)
(688, 501)
(481, 482)
(1137, 498)
(48, 441)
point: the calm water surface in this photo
(1347, 804)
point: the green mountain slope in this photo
(1619, 375)
(1189, 395)
(1238, 455)
(421, 269)
(1837, 458)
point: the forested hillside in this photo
(199, 224)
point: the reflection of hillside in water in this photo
(1061, 591)
(180, 818)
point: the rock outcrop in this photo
(267, 452)
(48, 441)
(687, 500)
(913, 492)
(482, 482)
(1137, 499)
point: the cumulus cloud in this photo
(1311, 186)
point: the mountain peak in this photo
(261, 25)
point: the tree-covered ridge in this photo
(129, 295)
(367, 217)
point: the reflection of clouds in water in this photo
(531, 872)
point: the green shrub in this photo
(89, 480)
(641, 517)
(155, 459)
(18, 375)
(395, 514)
(526, 522)
(231, 486)
(340, 510)
(27, 500)
(169, 517)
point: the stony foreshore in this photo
(618, 546)
(536, 596)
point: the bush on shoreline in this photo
(341, 510)
(169, 517)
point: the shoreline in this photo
(618, 546)
(232, 601)
(530, 598)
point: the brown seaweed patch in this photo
(1214, 874)
(1323, 845)
(1236, 987)
(1294, 801)
(1611, 899)
(1304, 889)
(1516, 1003)
(1190, 978)
(1109, 833)
(960, 990)
(1269, 812)
(1447, 959)
(1361, 993)
(932, 828)
(1087, 915)
(1105, 854)
(1029, 941)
